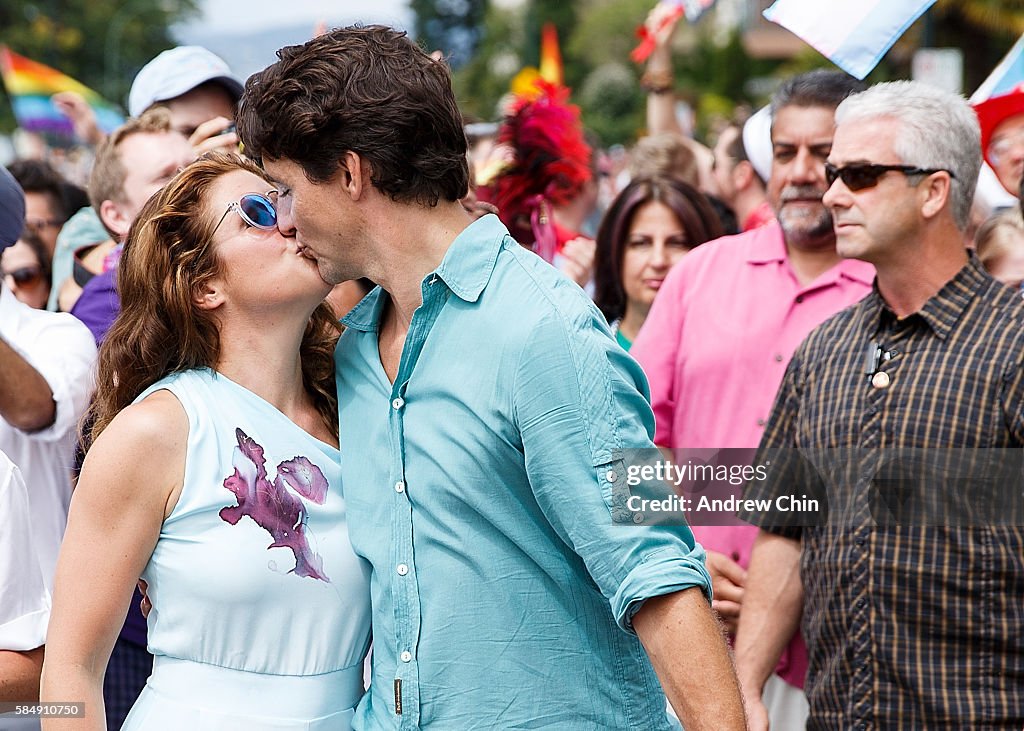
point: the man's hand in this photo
(727, 582)
(578, 261)
(145, 605)
(757, 714)
(661, 23)
(83, 118)
(212, 135)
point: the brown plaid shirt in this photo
(910, 626)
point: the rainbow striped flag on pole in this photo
(30, 85)
(853, 34)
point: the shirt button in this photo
(861, 603)
(402, 569)
(406, 656)
(760, 422)
(398, 403)
(799, 299)
(611, 476)
(399, 486)
(778, 357)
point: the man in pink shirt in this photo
(726, 322)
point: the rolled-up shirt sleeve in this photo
(580, 403)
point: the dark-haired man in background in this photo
(484, 413)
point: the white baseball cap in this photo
(177, 71)
(757, 142)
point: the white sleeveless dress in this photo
(261, 610)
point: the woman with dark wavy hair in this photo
(214, 474)
(649, 227)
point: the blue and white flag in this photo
(1006, 77)
(853, 34)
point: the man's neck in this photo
(908, 282)
(810, 262)
(414, 240)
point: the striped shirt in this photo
(910, 625)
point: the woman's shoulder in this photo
(145, 444)
(153, 423)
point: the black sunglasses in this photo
(859, 176)
(254, 209)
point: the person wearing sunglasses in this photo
(484, 408)
(1002, 137)
(912, 608)
(214, 474)
(26, 270)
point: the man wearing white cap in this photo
(200, 91)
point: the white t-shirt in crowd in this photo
(63, 351)
(24, 598)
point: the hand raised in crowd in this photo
(83, 117)
(727, 582)
(578, 262)
(214, 134)
(661, 23)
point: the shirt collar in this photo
(943, 310)
(465, 269)
(770, 247)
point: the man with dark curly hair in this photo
(484, 411)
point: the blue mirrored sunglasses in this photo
(255, 209)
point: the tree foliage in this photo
(451, 26)
(713, 71)
(102, 43)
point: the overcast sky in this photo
(233, 16)
(247, 35)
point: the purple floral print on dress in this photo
(272, 506)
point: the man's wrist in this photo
(657, 81)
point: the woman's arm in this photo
(129, 483)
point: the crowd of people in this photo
(311, 361)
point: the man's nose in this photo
(806, 167)
(285, 222)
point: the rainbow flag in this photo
(31, 84)
(524, 84)
(853, 34)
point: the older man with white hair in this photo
(912, 606)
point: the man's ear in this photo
(936, 192)
(742, 175)
(354, 174)
(208, 296)
(115, 219)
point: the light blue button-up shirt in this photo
(479, 488)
